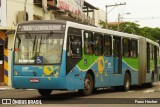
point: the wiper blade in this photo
(28, 34)
(50, 34)
(47, 37)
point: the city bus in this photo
(63, 55)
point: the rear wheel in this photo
(88, 85)
(127, 82)
(150, 85)
(45, 92)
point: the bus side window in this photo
(126, 48)
(88, 43)
(75, 46)
(134, 47)
(98, 43)
(151, 52)
(107, 49)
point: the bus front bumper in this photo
(25, 82)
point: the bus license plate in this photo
(34, 80)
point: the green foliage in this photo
(133, 28)
(103, 24)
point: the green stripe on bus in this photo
(132, 62)
(90, 60)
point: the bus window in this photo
(134, 46)
(148, 57)
(151, 52)
(38, 48)
(74, 43)
(107, 50)
(126, 47)
(73, 48)
(98, 42)
(88, 43)
(76, 46)
(155, 59)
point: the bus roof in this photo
(90, 28)
(100, 30)
(152, 42)
(111, 32)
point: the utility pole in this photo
(112, 6)
(119, 19)
(25, 10)
(45, 11)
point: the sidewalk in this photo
(5, 88)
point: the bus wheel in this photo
(127, 82)
(150, 85)
(44, 92)
(88, 85)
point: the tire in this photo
(88, 85)
(45, 92)
(150, 85)
(127, 82)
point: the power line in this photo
(112, 6)
(147, 18)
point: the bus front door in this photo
(117, 56)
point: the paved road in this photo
(73, 98)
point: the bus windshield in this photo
(38, 48)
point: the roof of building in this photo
(115, 23)
(86, 4)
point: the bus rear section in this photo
(38, 56)
(148, 61)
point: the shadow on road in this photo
(74, 94)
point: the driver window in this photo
(75, 44)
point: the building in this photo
(13, 12)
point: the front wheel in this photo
(45, 92)
(88, 85)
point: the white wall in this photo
(14, 6)
(99, 15)
(3, 13)
(39, 12)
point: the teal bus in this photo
(63, 55)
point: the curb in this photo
(5, 88)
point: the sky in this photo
(142, 12)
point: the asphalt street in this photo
(108, 96)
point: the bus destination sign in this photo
(41, 27)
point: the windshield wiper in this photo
(28, 34)
(42, 40)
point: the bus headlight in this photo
(16, 73)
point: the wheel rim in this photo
(127, 82)
(87, 85)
